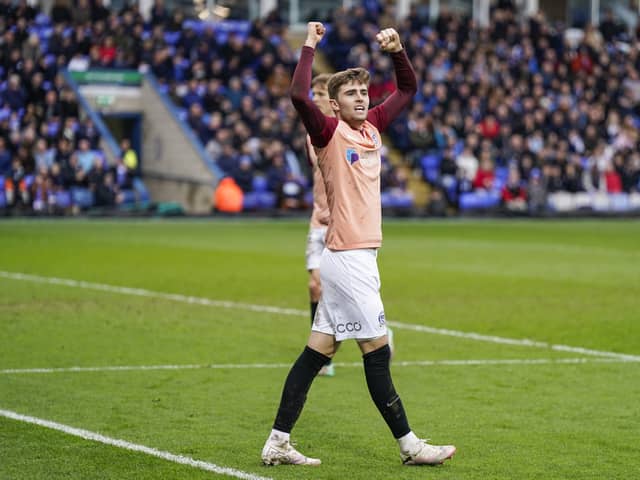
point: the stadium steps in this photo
(418, 187)
(296, 39)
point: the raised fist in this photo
(315, 32)
(389, 40)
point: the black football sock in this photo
(383, 393)
(314, 307)
(298, 382)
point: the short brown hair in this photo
(349, 75)
(320, 79)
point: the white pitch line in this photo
(141, 292)
(230, 366)
(512, 341)
(96, 437)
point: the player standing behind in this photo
(348, 148)
(320, 213)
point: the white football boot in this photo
(423, 453)
(279, 451)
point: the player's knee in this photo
(379, 358)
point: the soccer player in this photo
(320, 213)
(348, 149)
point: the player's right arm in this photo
(319, 126)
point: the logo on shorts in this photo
(352, 156)
(381, 320)
(348, 327)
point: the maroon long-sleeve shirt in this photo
(321, 127)
(349, 159)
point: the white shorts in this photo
(350, 306)
(315, 246)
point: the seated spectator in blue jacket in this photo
(106, 192)
(5, 158)
(86, 157)
(228, 159)
(243, 175)
(72, 174)
(43, 155)
(14, 96)
(277, 173)
(89, 131)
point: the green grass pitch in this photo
(515, 411)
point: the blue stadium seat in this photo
(502, 173)
(308, 197)
(28, 180)
(619, 202)
(128, 197)
(328, 28)
(259, 183)
(250, 201)
(458, 148)
(172, 38)
(431, 160)
(83, 197)
(45, 33)
(141, 191)
(238, 27)
(194, 25)
(396, 200)
(42, 20)
(480, 200)
(431, 167)
(266, 200)
(452, 190)
(63, 199)
(3, 199)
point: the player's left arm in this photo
(407, 84)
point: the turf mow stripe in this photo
(141, 292)
(230, 366)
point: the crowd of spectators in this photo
(230, 83)
(50, 160)
(524, 108)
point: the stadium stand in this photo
(50, 160)
(559, 106)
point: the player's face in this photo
(352, 103)
(320, 96)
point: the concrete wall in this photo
(173, 169)
(195, 198)
(112, 98)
